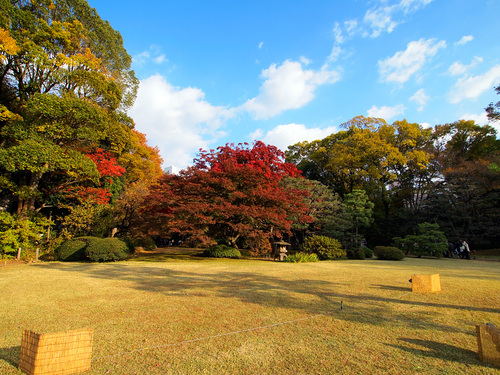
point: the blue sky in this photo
(214, 72)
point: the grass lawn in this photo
(173, 313)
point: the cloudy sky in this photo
(219, 71)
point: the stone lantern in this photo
(280, 250)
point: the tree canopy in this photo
(65, 84)
(412, 174)
(232, 193)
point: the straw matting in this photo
(488, 343)
(56, 353)
(426, 283)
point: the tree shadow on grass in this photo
(439, 350)
(11, 355)
(169, 254)
(307, 295)
(394, 288)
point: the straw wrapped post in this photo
(488, 343)
(56, 353)
(426, 283)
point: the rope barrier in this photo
(210, 337)
(343, 308)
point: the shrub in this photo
(71, 250)
(246, 253)
(356, 254)
(324, 247)
(429, 241)
(301, 258)
(20, 232)
(146, 243)
(368, 252)
(106, 249)
(222, 251)
(388, 253)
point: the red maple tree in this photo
(106, 163)
(232, 193)
(108, 168)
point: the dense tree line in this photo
(67, 147)
(72, 164)
(446, 175)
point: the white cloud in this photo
(337, 34)
(261, 44)
(385, 18)
(386, 112)
(283, 136)
(400, 67)
(336, 51)
(421, 98)
(472, 87)
(351, 26)
(160, 59)
(457, 68)
(179, 121)
(380, 19)
(410, 6)
(304, 60)
(465, 39)
(153, 54)
(141, 58)
(479, 118)
(286, 87)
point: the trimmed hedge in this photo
(324, 247)
(72, 250)
(222, 251)
(106, 249)
(92, 248)
(356, 254)
(388, 253)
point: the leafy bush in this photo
(388, 253)
(72, 250)
(20, 232)
(106, 249)
(301, 258)
(222, 251)
(429, 241)
(368, 252)
(324, 247)
(356, 254)
(146, 243)
(246, 253)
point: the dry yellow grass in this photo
(187, 315)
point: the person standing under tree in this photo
(464, 249)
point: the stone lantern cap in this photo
(282, 243)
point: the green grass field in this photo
(174, 313)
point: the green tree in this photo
(429, 241)
(493, 110)
(324, 247)
(360, 209)
(466, 195)
(65, 81)
(18, 233)
(324, 206)
(368, 155)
